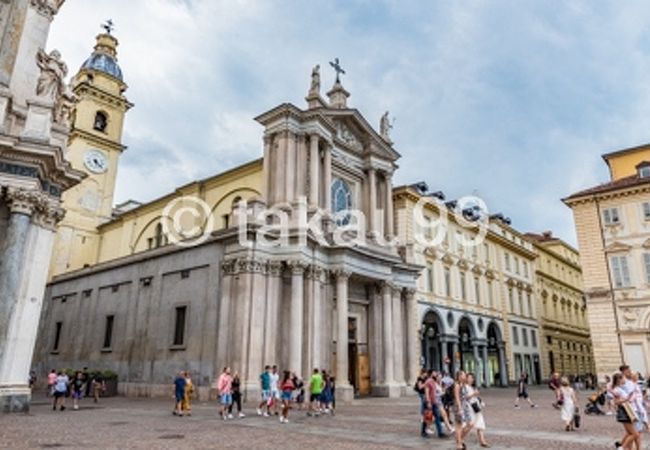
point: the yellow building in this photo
(613, 227)
(92, 230)
(565, 340)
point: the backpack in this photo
(416, 386)
(448, 397)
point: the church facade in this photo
(296, 264)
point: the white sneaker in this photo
(259, 412)
(230, 416)
(266, 414)
(286, 420)
(281, 419)
(609, 413)
(429, 431)
(76, 407)
(242, 415)
(225, 418)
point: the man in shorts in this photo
(275, 390)
(224, 386)
(315, 390)
(179, 392)
(265, 385)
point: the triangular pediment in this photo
(618, 247)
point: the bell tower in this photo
(94, 147)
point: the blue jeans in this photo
(438, 420)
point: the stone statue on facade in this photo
(51, 85)
(385, 125)
(315, 80)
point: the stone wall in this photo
(142, 293)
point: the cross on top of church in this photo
(337, 68)
(108, 26)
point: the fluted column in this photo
(389, 362)
(314, 164)
(296, 315)
(301, 167)
(372, 208)
(280, 166)
(290, 168)
(266, 168)
(412, 336)
(389, 206)
(317, 317)
(342, 371)
(327, 178)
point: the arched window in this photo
(341, 201)
(101, 120)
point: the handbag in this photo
(428, 416)
(576, 418)
(476, 407)
(625, 413)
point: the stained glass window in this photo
(341, 201)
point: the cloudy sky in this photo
(512, 100)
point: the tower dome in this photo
(104, 57)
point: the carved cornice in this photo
(250, 265)
(47, 8)
(229, 266)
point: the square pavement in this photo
(373, 423)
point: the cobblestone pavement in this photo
(372, 423)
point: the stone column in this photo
(477, 361)
(444, 354)
(280, 166)
(372, 204)
(24, 262)
(503, 370)
(317, 319)
(412, 336)
(274, 270)
(343, 388)
(389, 206)
(486, 366)
(290, 169)
(301, 167)
(327, 178)
(398, 340)
(266, 193)
(314, 164)
(455, 360)
(389, 362)
(296, 315)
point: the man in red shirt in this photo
(431, 401)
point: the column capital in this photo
(297, 267)
(47, 8)
(23, 201)
(314, 272)
(48, 213)
(274, 268)
(410, 293)
(341, 274)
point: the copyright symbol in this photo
(180, 221)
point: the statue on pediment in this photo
(385, 125)
(50, 84)
(315, 80)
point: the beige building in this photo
(613, 227)
(565, 339)
(476, 303)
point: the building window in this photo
(463, 293)
(525, 269)
(447, 282)
(531, 311)
(511, 298)
(610, 216)
(644, 171)
(101, 121)
(516, 265)
(179, 325)
(477, 290)
(57, 336)
(520, 297)
(646, 210)
(341, 201)
(430, 277)
(507, 258)
(486, 249)
(108, 331)
(515, 335)
(524, 336)
(621, 271)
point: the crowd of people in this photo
(81, 384)
(278, 394)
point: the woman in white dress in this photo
(569, 402)
(476, 417)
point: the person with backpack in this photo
(61, 386)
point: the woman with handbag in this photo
(569, 403)
(476, 410)
(625, 413)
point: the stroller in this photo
(595, 399)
